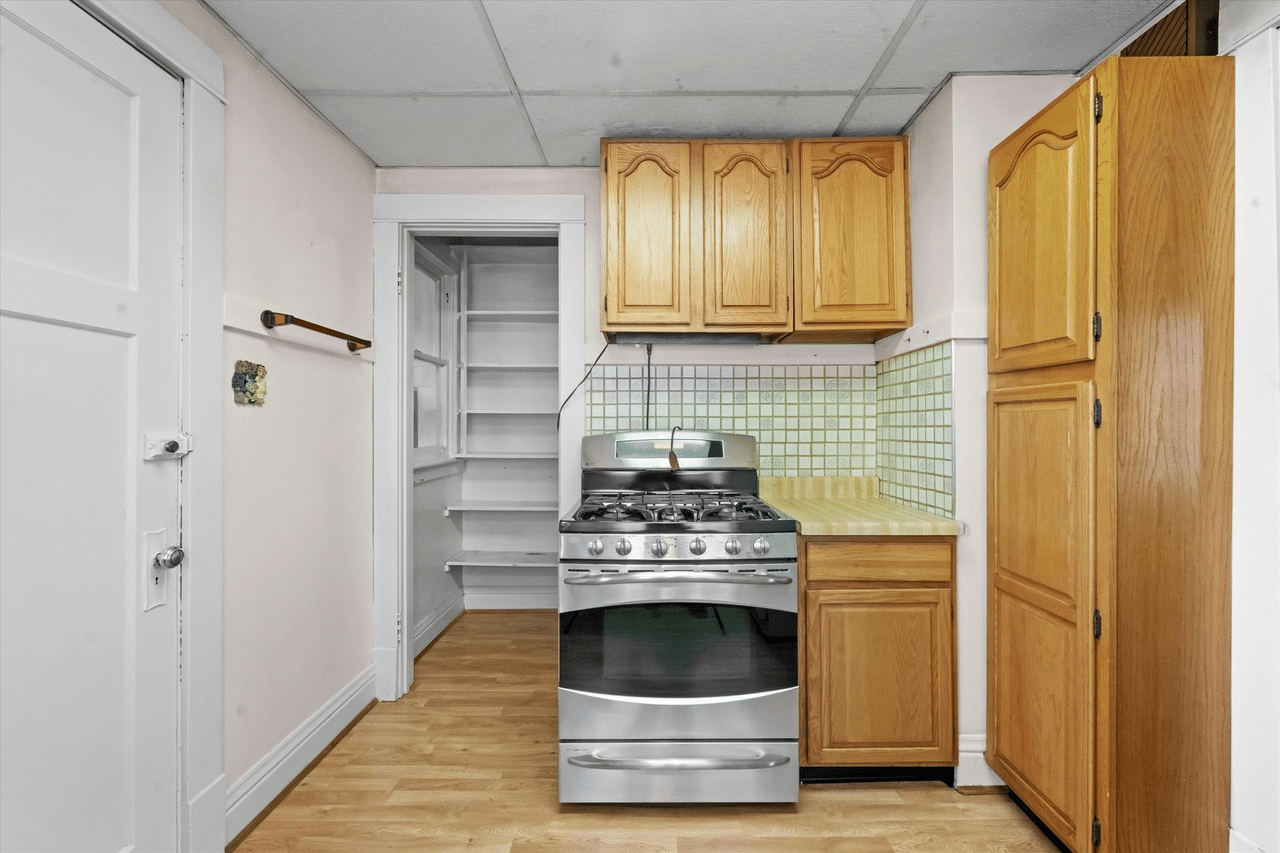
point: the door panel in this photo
(647, 244)
(90, 228)
(745, 240)
(852, 233)
(880, 676)
(1040, 602)
(1042, 210)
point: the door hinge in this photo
(400, 280)
(1097, 413)
(1097, 832)
(1097, 625)
(605, 164)
(1097, 108)
(1097, 326)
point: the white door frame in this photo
(154, 32)
(396, 218)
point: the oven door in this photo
(679, 654)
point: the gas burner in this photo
(724, 512)
(671, 512)
(614, 512)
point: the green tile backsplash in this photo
(809, 420)
(891, 420)
(914, 456)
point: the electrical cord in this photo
(648, 381)
(579, 385)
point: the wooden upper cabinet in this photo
(745, 242)
(649, 257)
(851, 238)
(722, 235)
(1042, 212)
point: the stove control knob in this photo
(697, 547)
(760, 546)
(595, 547)
(732, 546)
(623, 547)
(658, 548)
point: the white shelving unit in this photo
(508, 388)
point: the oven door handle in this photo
(663, 577)
(761, 762)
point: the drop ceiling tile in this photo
(393, 46)
(693, 45)
(434, 131)
(570, 127)
(1009, 36)
(884, 114)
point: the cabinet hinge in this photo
(1097, 108)
(1097, 326)
(1097, 413)
(1097, 625)
(788, 161)
(605, 164)
(1097, 832)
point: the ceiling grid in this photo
(475, 83)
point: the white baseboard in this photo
(972, 769)
(430, 626)
(1240, 844)
(514, 599)
(207, 818)
(254, 791)
(504, 588)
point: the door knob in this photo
(170, 558)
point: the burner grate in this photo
(674, 507)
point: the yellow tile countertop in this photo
(849, 506)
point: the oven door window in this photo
(677, 650)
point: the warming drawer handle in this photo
(662, 577)
(761, 762)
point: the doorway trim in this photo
(397, 218)
(159, 36)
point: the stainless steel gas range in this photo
(678, 659)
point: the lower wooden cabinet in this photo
(878, 634)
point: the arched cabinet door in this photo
(648, 251)
(746, 245)
(851, 231)
(1041, 254)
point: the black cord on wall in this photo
(579, 385)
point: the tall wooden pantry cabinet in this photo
(1109, 457)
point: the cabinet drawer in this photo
(893, 560)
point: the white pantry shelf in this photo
(502, 559)
(503, 454)
(502, 506)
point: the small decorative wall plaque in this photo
(249, 383)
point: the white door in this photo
(90, 295)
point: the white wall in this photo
(298, 494)
(1255, 552)
(950, 142)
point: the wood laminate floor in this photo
(466, 761)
